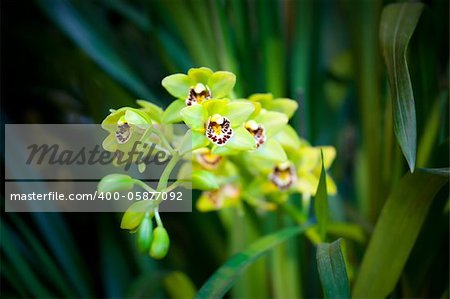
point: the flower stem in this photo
(166, 173)
(157, 217)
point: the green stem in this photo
(167, 171)
(162, 185)
(144, 186)
(161, 136)
(163, 139)
(293, 213)
(157, 217)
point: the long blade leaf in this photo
(321, 202)
(222, 280)
(398, 22)
(395, 233)
(332, 271)
(72, 23)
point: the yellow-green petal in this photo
(136, 117)
(178, 85)
(155, 112)
(270, 150)
(194, 116)
(172, 114)
(204, 180)
(221, 83)
(242, 140)
(238, 112)
(288, 138)
(216, 106)
(272, 121)
(286, 106)
(264, 98)
(200, 75)
(192, 140)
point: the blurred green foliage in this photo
(71, 61)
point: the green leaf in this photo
(42, 256)
(204, 180)
(14, 256)
(185, 287)
(395, 233)
(177, 85)
(398, 22)
(350, 231)
(321, 202)
(332, 270)
(221, 83)
(115, 182)
(172, 113)
(223, 279)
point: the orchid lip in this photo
(283, 175)
(258, 132)
(218, 129)
(208, 161)
(198, 94)
(123, 133)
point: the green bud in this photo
(134, 214)
(160, 244)
(144, 234)
(115, 182)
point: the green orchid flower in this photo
(133, 131)
(225, 197)
(302, 172)
(309, 165)
(283, 105)
(205, 159)
(221, 124)
(126, 126)
(263, 127)
(207, 171)
(195, 88)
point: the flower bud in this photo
(160, 244)
(115, 182)
(144, 234)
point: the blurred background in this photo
(71, 61)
